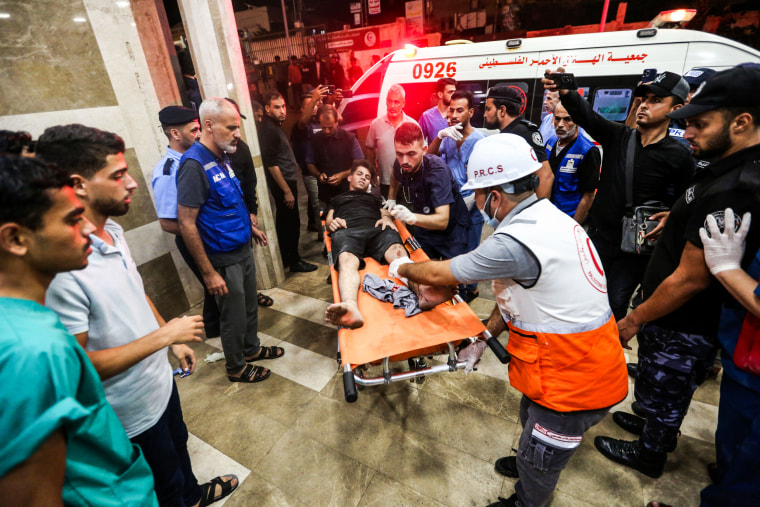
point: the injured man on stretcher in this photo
(359, 227)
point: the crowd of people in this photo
(569, 290)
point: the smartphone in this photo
(648, 75)
(330, 90)
(564, 80)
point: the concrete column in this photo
(215, 47)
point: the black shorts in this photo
(363, 242)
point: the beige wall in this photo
(56, 71)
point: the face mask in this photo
(493, 222)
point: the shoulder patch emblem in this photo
(689, 195)
(537, 138)
(720, 218)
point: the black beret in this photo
(176, 115)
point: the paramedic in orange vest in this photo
(551, 295)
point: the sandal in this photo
(250, 375)
(267, 353)
(208, 497)
(265, 300)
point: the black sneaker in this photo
(507, 467)
(302, 267)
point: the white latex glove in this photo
(454, 132)
(472, 355)
(469, 201)
(402, 213)
(389, 204)
(393, 268)
(724, 250)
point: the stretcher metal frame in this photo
(353, 376)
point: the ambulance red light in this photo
(675, 17)
(410, 50)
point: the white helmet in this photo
(500, 159)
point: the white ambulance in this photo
(607, 67)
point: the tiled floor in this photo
(294, 440)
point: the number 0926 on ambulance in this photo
(607, 67)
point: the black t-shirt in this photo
(358, 209)
(242, 164)
(588, 170)
(300, 136)
(719, 186)
(528, 131)
(276, 150)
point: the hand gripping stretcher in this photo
(387, 335)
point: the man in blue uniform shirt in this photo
(440, 215)
(433, 120)
(181, 127)
(454, 144)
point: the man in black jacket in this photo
(662, 169)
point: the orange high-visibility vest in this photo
(566, 354)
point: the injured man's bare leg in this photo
(347, 314)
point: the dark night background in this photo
(533, 14)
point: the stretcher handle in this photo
(497, 348)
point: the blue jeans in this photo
(737, 445)
(165, 448)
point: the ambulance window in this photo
(372, 82)
(612, 103)
(419, 97)
(360, 111)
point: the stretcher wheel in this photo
(349, 386)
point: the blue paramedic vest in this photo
(223, 221)
(565, 192)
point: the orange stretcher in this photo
(388, 336)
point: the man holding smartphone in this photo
(662, 169)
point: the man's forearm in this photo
(438, 221)
(545, 180)
(496, 324)
(313, 170)
(278, 178)
(194, 244)
(581, 212)
(435, 146)
(393, 188)
(169, 225)
(742, 287)
(115, 360)
(690, 278)
(429, 273)
(584, 116)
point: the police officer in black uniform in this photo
(504, 108)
